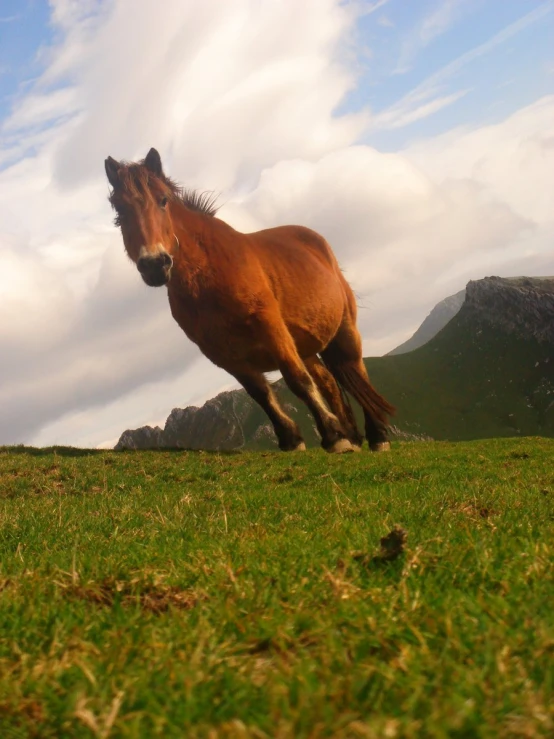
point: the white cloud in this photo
(400, 115)
(369, 8)
(39, 109)
(384, 21)
(437, 22)
(148, 404)
(440, 20)
(512, 161)
(238, 98)
(221, 87)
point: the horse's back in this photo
(305, 281)
(283, 241)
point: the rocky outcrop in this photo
(523, 306)
(146, 437)
(217, 426)
(437, 319)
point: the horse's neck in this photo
(191, 261)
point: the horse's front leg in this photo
(278, 339)
(299, 380)
(286, 430)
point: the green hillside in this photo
(471, 381)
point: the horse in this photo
(274, 299)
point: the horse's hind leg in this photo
(343, 357)
(335, 399)
(287, 432)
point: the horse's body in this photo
(271, 300)
(257, 280)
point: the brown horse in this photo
(271, 300)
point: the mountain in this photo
(437, 319)
(488, 372)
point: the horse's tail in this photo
(351, 379)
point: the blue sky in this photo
(24, 29)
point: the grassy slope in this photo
(170, 593)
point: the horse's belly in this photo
(245, 346)
(237, 354)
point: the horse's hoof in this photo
(341, 446)
(300, 448)
(356, 447)
(380, 446)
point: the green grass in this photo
(181, 594)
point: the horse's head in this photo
(141, 197)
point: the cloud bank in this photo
(241, 100)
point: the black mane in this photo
(200, 201)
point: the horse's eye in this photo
(163, 202)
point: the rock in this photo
(520, 305)
(145, 437)
(214, 426)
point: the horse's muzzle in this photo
(155, 271)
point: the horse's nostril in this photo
(167, 260)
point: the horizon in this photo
(417, 138)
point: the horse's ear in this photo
(112, 171)
(153, 163)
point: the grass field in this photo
(186, 594)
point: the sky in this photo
(417, 137)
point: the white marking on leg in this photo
(274, 404)
(317, 399)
